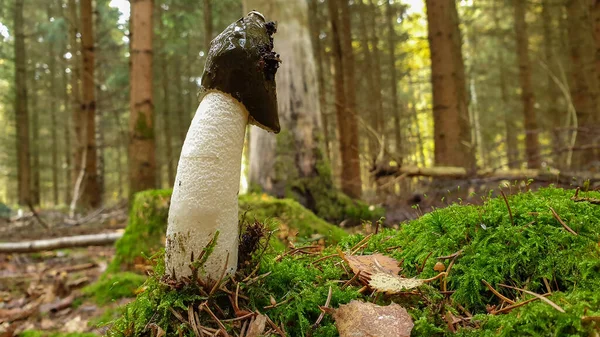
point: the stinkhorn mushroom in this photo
(237, 88)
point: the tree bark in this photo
(34, 142)
(552, 89)
(532, 145)
(584, 80)
(166, 109)
(376, 53)
(510, 129)
(315, 31)
(346, 111)
(54, 111)
(142, 157)
(76, 103)
(452, 131)
(91, 192)
(21, 110)
(396, 113)
(293, 164)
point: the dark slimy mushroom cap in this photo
(242, 63)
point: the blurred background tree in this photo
(367, 90)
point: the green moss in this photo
(522, 255)
(288, 213)
(145, 232)
(145, 235)
(111, 287)
(142, 129)
(36, 333)
(316, 191)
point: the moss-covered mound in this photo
(533, 251)
(145, 233)
(288, 214)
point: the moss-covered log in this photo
(532, 251)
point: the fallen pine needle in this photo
(502, 297)
(562, 222)
(552, 304)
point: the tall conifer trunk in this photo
(452, 130)
(22, 113)
(142, 161)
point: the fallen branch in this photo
(58, 243)
(488, 174)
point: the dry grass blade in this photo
(205, 307)
(361, 243)
(508, 206)
(275, 327)
(192, 321)
(322, 311)
(552, 304)
(502, 297)
(214, 288)
(557, 217)
(516, 305)
(357, 275)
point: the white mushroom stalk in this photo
(206, 187)
(238, 87)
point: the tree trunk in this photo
(510, 129)
(452, 131)
(552, 89)
(595, 12)
(53, 115)
(208, 25)
(21, 111)
(378, 97)
(102, 102)
(584, 81)
(67, 124)
(396, 113)
(293, 164)
(76, 103)
(142, 161)
(532, 145)
(166, 109)
(315, 32)
(91, 190)
(346, 103)
(34, 141)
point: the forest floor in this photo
(43, 289)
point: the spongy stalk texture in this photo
(205, 195)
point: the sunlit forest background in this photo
(398, 92)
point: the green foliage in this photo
(111, 287)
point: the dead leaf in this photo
(392, 284)
(371, 264)
(257, 326)
(76, 324)
(360, 319)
